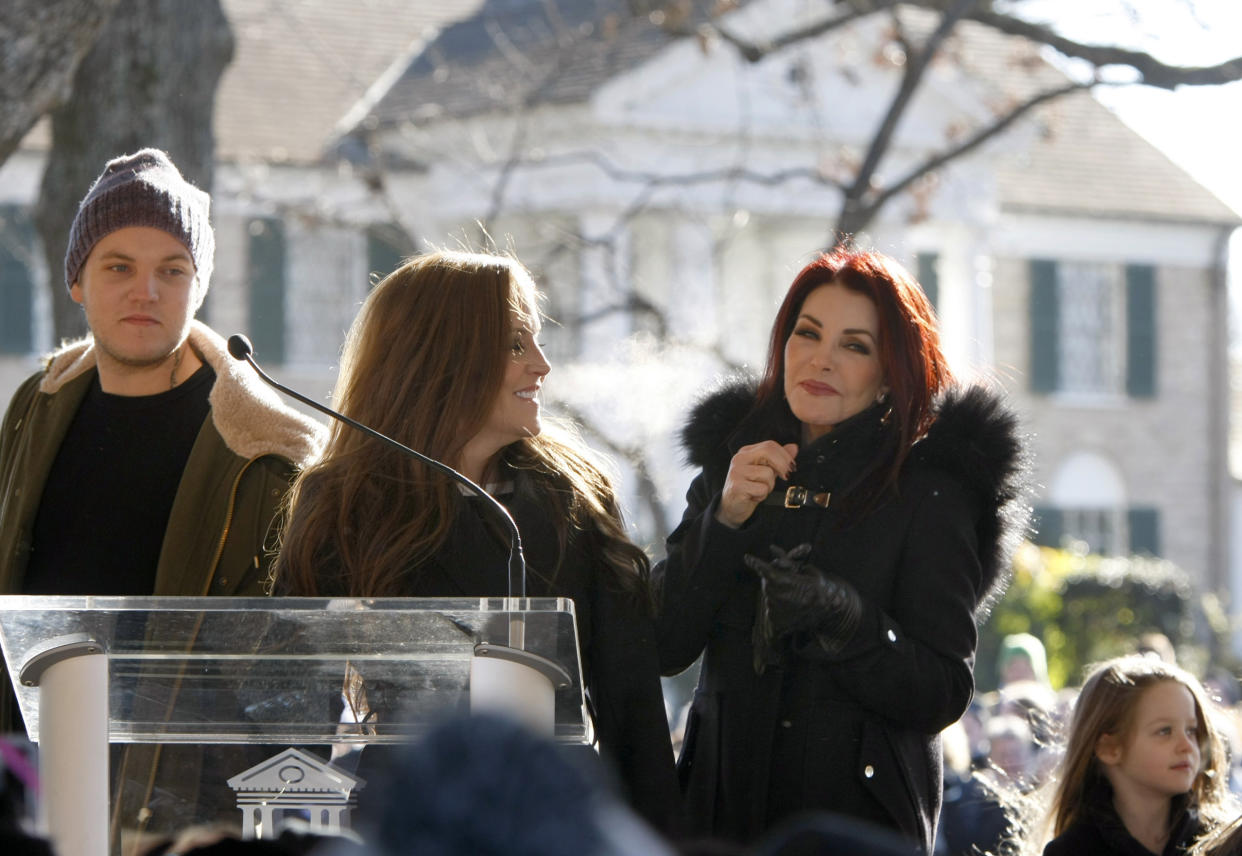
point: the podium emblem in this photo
(294, 783)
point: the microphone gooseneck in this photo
(241, 349)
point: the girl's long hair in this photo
(913, 365)
(423, 363)
(1106, 705)
(1225, 841)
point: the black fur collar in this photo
(975, 439)
(705, 436)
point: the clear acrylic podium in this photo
(226, 709)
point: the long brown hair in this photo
(914, 367)
(1106, 705)
(1225, 841)
(423, 363)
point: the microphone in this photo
(241, 349)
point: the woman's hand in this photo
(752, 475)
(798, 596)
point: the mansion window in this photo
(1104, 531)
(1087, 506)
(1092, 329)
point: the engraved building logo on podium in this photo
(295, 784)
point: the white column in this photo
(605, 283)
(267, 822)
(985, 353)
(513, 689)
(692, 291)
(248, 815)
(965, 300)
(73, 747)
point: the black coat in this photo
(615, 631)
(1100, 832)
(857, 732)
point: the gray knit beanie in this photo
(143, 189)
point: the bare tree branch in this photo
(863, 200)
(1152, 72)
(648, 490)
(517, 146)
(876, 202)
(658, 180)
(755, 51)
(632, 305)
(849, 221)
(44, 41)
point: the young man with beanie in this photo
(143, 459)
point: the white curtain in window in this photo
(1092, 341)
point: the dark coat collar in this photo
(975, 440)
(1183, 828)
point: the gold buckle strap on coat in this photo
(797, 496)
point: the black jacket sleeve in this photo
(628, 703)
(702, 569)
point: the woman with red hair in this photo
(853, 513)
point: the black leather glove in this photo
(795, 598)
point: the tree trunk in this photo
(44, 40)
(149, 80)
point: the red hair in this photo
(914, 367)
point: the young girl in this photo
(1144, 770)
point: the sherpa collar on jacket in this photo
(975, 439)
(249, 415)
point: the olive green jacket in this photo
(220, 530)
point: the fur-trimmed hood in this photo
(975, 439)
(251, 418)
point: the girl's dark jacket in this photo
(855, 732)
(1101, 832)
(616, 634)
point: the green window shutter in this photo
(1045, 314)
(1049, 526)
(1141, 331)
(266, 274)
(388, 247)
(1144, 526)
(17, 238)
(929, 276)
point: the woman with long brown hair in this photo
(852, 514)
(444, 358)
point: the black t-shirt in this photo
(105, 505)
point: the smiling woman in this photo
(832, 362)
(516, 414)
(852, 514)
(444, 357)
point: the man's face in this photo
(139, 290)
